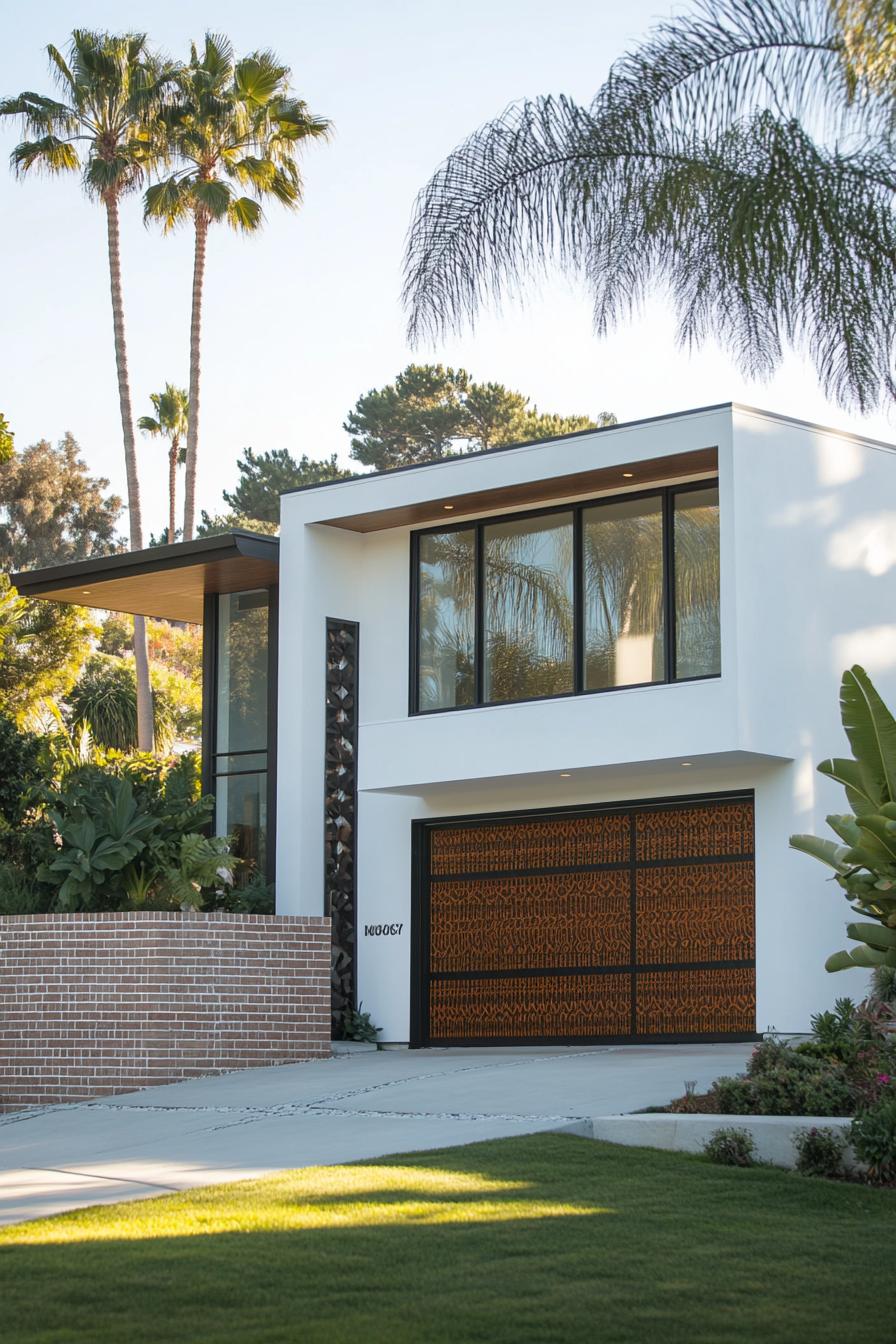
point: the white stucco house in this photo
(534, 725)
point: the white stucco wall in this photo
(808, 561)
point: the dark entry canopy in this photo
(169, 582)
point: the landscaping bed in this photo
(846, 1068)
(541, 1238)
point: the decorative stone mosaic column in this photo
(340, 810)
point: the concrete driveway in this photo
(353, 1106)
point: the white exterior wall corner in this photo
(794, 604)
(318, 578)
(815, 560)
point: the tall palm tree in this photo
(741, 160)
(234, 126)
(103, 126)
(169, 422)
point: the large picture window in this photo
(528, 607)
(625, 638)
(446, 618)
(616, 592)
(697, 646)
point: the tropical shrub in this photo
(733, 1096)
(105, 698)
(86, 828)
(180, 699)
(838, 1032)
(731, 1148)
(19, 770)
(21, 835)
(20, 893)
(865, 863)
(873, 1137)
(358, 1025)
(845, 1067)
(883, 984)
(819, 1151)
(130, 835)
(252, 896)
(767, 1056)
(786, 1083)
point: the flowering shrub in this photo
(873, 1136)
(848, 1066)
(819, 1151)
(731, 1148)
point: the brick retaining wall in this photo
(95, 1004)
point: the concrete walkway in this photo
(353, 1106)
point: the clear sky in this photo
(305, 317)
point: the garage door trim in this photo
(420, 933)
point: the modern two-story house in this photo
(534, 725)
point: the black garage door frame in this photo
(423, 828)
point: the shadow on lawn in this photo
(498, 1241)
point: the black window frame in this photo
(666, 494)
(210, 756)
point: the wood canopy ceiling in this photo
(169, 582)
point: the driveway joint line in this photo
(95, 1176)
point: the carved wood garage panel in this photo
(631, 923)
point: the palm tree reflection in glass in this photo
(529, 624)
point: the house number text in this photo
(381, 930)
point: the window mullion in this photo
(578, 603)
(669, 582)
(479, 636)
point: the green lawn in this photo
(531, 1239)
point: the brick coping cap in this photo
(165, 916)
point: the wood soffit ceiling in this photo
(624, 475)
(170, 592)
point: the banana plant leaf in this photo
(826, 851)
(839, 961)
(861, 794)
(881, 830)
(846, 826)
(874, 935)
(871, 730)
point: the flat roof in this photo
(587, 462)
(169, 582)
(600, 429)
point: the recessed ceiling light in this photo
(565, 774)
(85, 592)
(628, 474)
(686, 763)
(447, 506)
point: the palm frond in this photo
(495, 213)
(217, 56)
(169, 202)
(49, 155)
(724, 59)
(758, 233)
(214, 197)
(254, 172)
(235, 120)
(63, 72)
(244, 214)
(257, 78)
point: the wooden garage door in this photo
(635, 923)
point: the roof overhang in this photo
(169, 582)
(638, 474)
